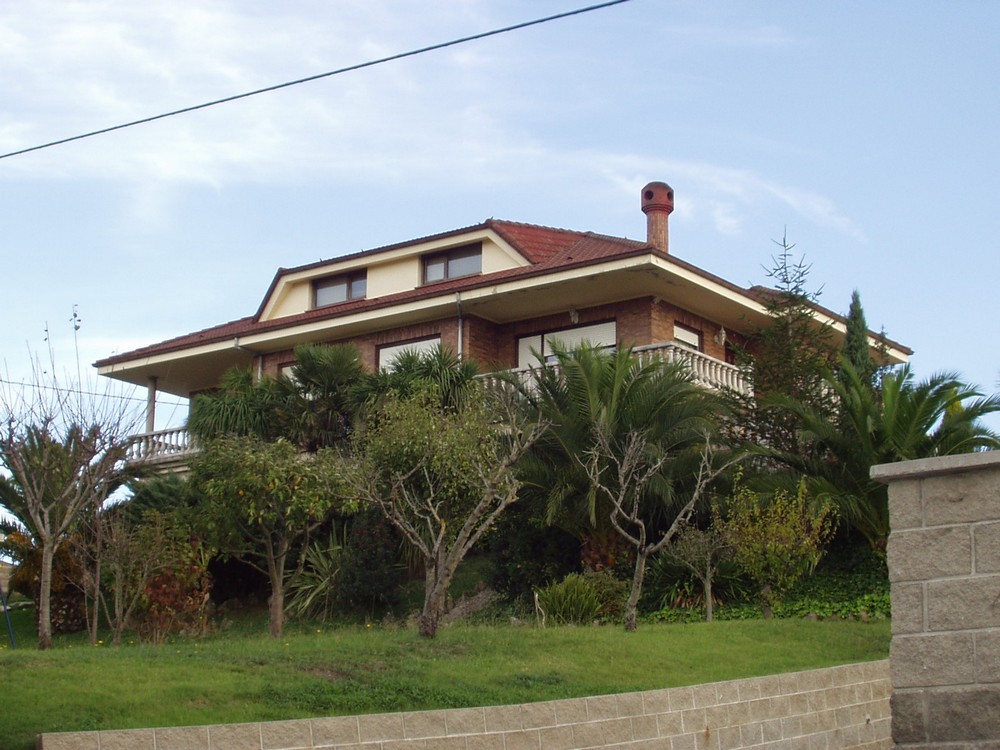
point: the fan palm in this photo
(590, 391)
(900, 420)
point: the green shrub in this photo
(371, 571)
(571, 601)
(611, 593)
(313, 590)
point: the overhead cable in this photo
(339, 71)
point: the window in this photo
(387, 354)
(460, 261)
(689, 338)
(336, 289)
(599, 334)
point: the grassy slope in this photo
(316, 671)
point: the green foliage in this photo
(587, 391)
(572, 601)
(703, 551)
(671, 585)
(438, 374)
(777, 540)
(313, 589)
(903, 419)
(786, 357)
(526, 552)
(320, 401)
(261, 498)
(241, 406)
(314, 408)
(611, 593)
(370, 568)
(856, 349)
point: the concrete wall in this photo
(830, 709)
(944, 567)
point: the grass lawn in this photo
(240, 674)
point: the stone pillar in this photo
(944, 569)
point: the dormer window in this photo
(343, 288)
(460, 261)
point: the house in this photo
(499, 292)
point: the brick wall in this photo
(833, 709)
(944, 567)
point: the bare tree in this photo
(702, 551)
(622, 474)
(63, 451)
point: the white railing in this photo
(163, 446)
(174, 447)
(705, 370)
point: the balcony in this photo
(164, 451)
(169, 450)
(706, 371)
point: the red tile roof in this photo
(546, 248)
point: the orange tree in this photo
(261, 499)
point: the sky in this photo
(867, 134)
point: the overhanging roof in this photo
(565, 268)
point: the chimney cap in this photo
(657, 196)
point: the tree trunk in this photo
(45, 596)
(276, 603)
(632, 605)
(434, 595)
(765, 595)
(709, 604)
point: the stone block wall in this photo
(832, 709)
(944, 569)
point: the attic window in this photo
(343, 288)
(460, 261)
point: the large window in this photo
(599, 334)
(460, 261)
(336, 289)
(387, 354)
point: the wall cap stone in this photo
(929, 467)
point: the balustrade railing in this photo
(175, 446)
(705, 370)
(161, 446)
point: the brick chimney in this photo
(657, 203)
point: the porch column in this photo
(150, 403)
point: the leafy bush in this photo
(312, 590)
(571, 601)
(611, 593)
(860, 592)
(370, 568)
(176, 599)
(669, 584)
(528, 553)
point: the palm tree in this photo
(600, 404)
(452, 379)
(319, 402)
(313, 408)
(900, 420)
(240, 406)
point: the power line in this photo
(339, 71)
(81, 392)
